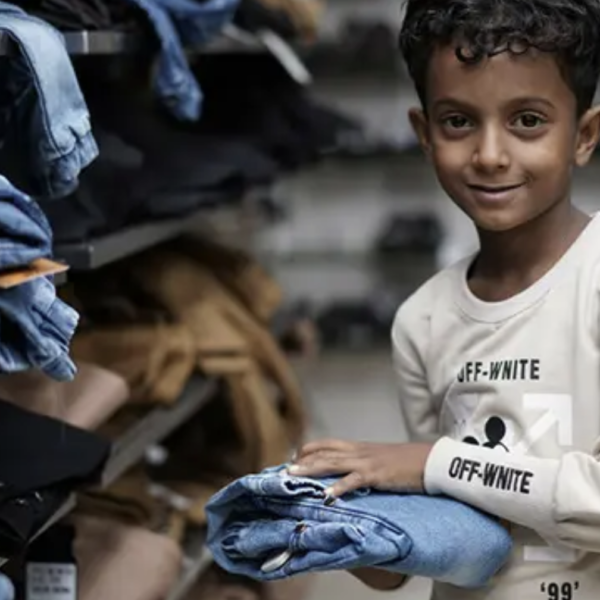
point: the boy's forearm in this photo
(378, 579)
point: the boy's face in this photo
(503, 135)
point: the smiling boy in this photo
(498, 356)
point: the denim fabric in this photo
(35, 326)
(7, 589)
(177, 24)
(25, 233)
(257, 518)
(54, 123)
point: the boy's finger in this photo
(323, 467)
(327, 444)
(320, 456)
(350, 483)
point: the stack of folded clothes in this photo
(148, 169)
(192, 305)
(264, 107)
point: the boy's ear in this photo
(587, 136)
(418, 120)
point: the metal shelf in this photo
(154, 427)
(230, 220)
(67, 506)
(98, 43)
(102, 42)
(197, 559)
(117, 42)
(104, 250)
(232, 40)
(79, 43)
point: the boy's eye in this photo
(456, 122)
(529, 121)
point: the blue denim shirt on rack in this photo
(273, 525)
(179, 24)
(35, 326)
(54, 127)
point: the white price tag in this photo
(286, 56)
(51, 581)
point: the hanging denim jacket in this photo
(35, 326)
(42, 99)
(178, 24)
(273, 525)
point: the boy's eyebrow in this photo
(531, 100)
(466, 105)
(453, 103)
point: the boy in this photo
(498, 357)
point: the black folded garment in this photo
(90, 15)
(262, 105)
(117, 190)
(175, 174)
(191, 162)
(42, 461)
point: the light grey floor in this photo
(353, 396)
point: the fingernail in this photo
(294, 469)
(329, 497)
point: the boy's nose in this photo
(490, 153)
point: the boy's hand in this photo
(389, 467)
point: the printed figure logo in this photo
(495, 431)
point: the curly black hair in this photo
(482, 28)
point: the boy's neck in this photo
(511, 261)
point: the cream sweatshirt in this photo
(511, 392)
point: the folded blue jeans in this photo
(52, 118)
(179, 24)
(35, 326)
(273, 525)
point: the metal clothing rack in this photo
(160, 421)
(107, 43)
(229, 220)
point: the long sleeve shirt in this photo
(510, 393)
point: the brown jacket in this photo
(214, 307)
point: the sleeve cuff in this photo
(515, 487)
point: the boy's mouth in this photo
(494, 193)
(495, 189)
